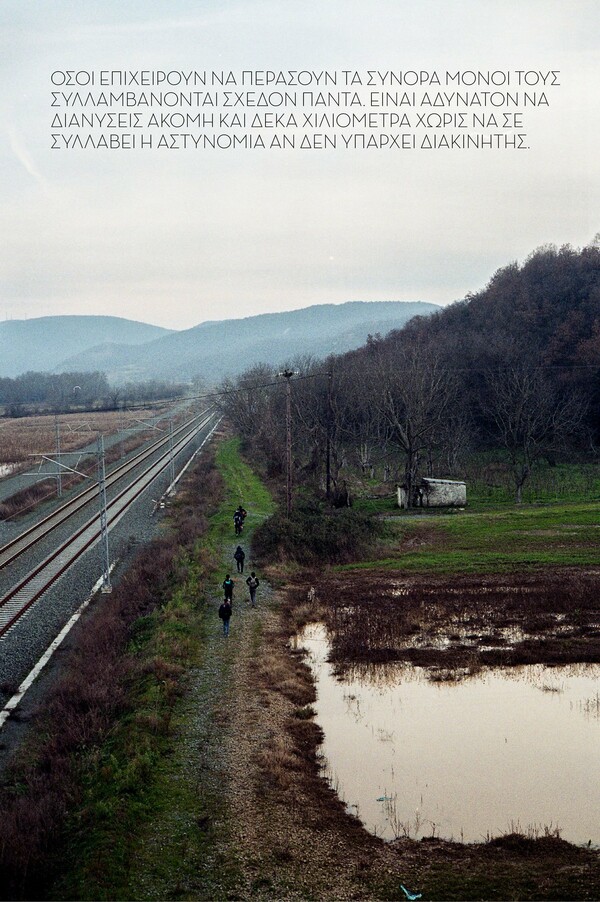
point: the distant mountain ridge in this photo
(43, 343)
(214, 349)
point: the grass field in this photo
(489, 482)
(565, 534)
(490, 485)
(243, 487)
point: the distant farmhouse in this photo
(435, 493)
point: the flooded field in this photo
(499, 751)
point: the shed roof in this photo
(443, 481)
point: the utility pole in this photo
(287, 375)
(122, 435)
(106, 586)
(101, 470)
(329, 418)
(58, 470)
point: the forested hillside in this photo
(545, 312)
(515, 367)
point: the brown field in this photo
(465, 623)
(25, 437)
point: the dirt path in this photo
(245, 806)
(280, 824)
(250, 817)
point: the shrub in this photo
(101, 681)
(313, 534)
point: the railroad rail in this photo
(29, 589)
(29, 537)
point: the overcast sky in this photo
(179, 237)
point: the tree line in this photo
(35, 392)
(514, 367)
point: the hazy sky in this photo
(179, 237)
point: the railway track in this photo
(27, 539)
(28, 590)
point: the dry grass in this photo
(544, 617)
(99, 683)
(278, 762)
(162, 669)
(286, 673)
(25, 500)
(72, 439)
(23, 437)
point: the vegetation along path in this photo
(245, 814)
(191, 849)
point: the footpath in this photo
(210, 771)
(247, 816)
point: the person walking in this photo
(239, 516)
(239, 558)
(228, 585)
(253, 583)
(225, 611)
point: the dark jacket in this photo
(225, 611)
(239, 553)
(228, 585)
(253, 582)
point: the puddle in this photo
(505, 750)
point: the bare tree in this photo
(531, 417)
(417, 394)
(319, 414)
(255, 408)
(363, 428)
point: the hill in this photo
(216, 349)
(544, 312)
(489, 389)
(42, 344)
(541, 317)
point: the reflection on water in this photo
(503, 750)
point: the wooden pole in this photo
(288, 439)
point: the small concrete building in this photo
(430, 492)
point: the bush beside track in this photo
(106, 723)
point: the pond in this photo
(505, 750)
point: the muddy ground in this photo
(463, 623)
(450, 628)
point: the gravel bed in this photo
(23, 645)
(218, 732)
(25, 562)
